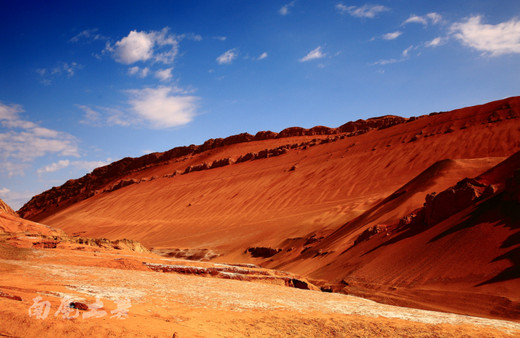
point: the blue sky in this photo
(85, 83)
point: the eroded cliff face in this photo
(76, 190)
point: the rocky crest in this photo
(76, 190)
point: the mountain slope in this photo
(459, 252)
(300, 201)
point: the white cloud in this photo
(227, 57)
(383, 62)
(435, 18)
(313, 55)
(405, 54)
(415, 19)
(263, 56)
(392, 35)
(88, 34)
(407, 51)
(90, 165)
(22, 141)
(493, 40)
(62, 164)
(190, 36)
(102, 116)
(163, 107)
(63, 68)
(432, 17)
(137, 46)
(91, 115)
(140, 72)
(164, 74)
(365, 11)
(284, 10)
(15, 199)
(435, 42)
(221, 38)
(53, 167)
(158, 46)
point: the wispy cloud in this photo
(492, 40)
(406, 52)
(140, 72)
(22, 141)
(384, 62)
(89, 35)
(435, 42)
(105, 116)
(15, 199)
(227, 57)
(68, 69)
(262, 56)
(313, 55)
(433, 18)
(284, 10)
(365, 11)
(405, 55)
(53, 167)
(392, 35)
(164, 74)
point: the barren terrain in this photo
(272, 234)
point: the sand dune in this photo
(306, 197)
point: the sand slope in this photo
(299, 202)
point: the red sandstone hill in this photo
(344, 206)
(11, 224)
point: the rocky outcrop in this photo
(189, 254)
(370, 232)
(265, 135)
(221, 163)
(244, 273)
(363, 126)
(118, 244)
(263, 252)
(6, 208)
(9, 296)
(78, 305)
(197, 167)
(122, 183)
(440, 206)
(292, 131)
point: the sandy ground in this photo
(192, 306)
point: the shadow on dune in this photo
(510, 273)
(502, 214)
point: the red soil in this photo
(314, 199)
